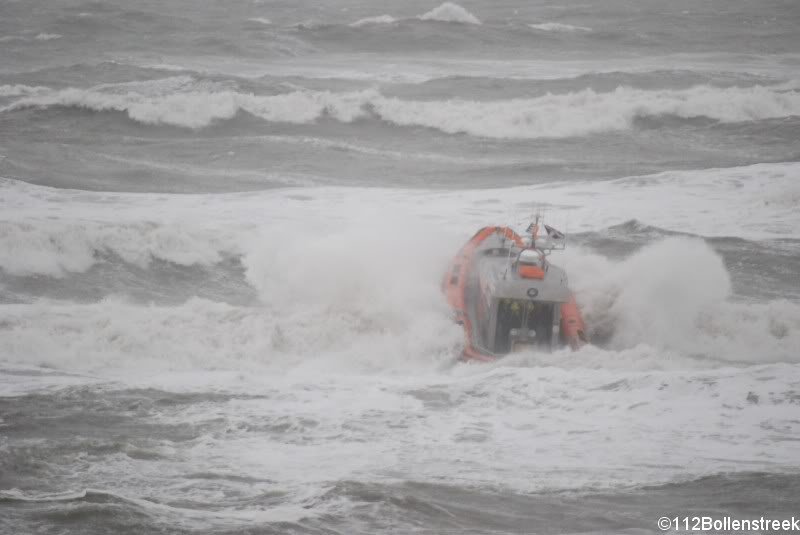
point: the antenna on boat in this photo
(511, 245)
(554, 239)
(502, 246)
(508, 261)
(533, 228)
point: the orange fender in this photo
(455, 283)
(573, 330)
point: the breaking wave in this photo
(196, 109)
(365, 285)
(55, 249)
(347, 300)
(368, 296)
(447, 12)
(550, 116)
(450, 12)
(18, 90)
(354, 286)
(674, 294)
(38, 37)
(380, 19)
(206, 229)
(559, 27)
(117, 334)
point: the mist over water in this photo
(223, 228)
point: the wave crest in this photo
(55, 249)
(559, 27)
(450, 12)
(18, 90)
(550, 116)
(674, 295)
(446, 12)
(380, 19)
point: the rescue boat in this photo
(509, 297)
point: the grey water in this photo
(223, 227)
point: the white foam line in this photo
(578, 113)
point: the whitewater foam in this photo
(283, 359)
(374, 273)
(54, 249)
(559, 27)
(450, 12)
(446, 12)
(578, 113)
(355, 280)
(203, 229)
(196, 109)
(323, 333)
(587, 112)
(407, 422)
(17, 90)
(380, 19)
(352, 339)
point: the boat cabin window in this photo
(522, 323)
(499, 251)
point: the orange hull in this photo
(455, 282)
(573, 330)
(454, 286)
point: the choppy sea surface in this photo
(222, 231)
